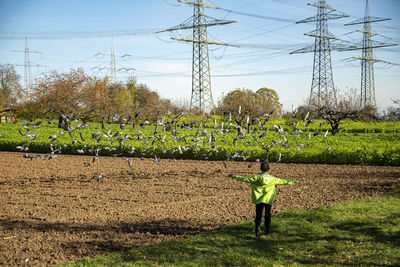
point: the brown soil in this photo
(56, 211)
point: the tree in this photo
(150, 104)
(60, 94)
(95, 100)
(9, 85)
(347, 107)
(269, 99)
(394, 113)
(243, 103)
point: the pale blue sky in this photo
(70, 33)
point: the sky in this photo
(78, 34)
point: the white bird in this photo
(326, 134)
(129, 162)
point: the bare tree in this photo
(347, 107)
(9, 85)
(394, 113)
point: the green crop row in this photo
(208, 143)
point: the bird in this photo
(43, 157)
(143, 123)
(53, 138)
(83, 139)
(225, 165)
(129, 162)
(32, 136)
(23, 148)
(326, 133)
(26, 156)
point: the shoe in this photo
(258, 236)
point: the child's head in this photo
(264, 166)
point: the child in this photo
(263, 191)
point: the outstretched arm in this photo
(279, 181)
(250, 179)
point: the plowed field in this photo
(58, 210)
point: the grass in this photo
(360, 233)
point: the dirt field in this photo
(58, 210)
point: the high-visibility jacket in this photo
(263, 187)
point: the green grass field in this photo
(359, 143)
(358, 233)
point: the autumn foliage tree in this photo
(60, 94)
(96, 100)
(74, 94)
(243, 103)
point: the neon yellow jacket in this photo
(263, 187)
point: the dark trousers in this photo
(259, 212)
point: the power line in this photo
(113, 65)
(257, 16)
(368, 59)
(75, 34)
(322, 86)
(28, 64)
(201, 78)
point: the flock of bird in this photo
(202, 142)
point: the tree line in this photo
(79, 95)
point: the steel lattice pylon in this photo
(367, 67)
(201, 98)
(322, 87)
(367, 58)
(28, 64)
(201, 80)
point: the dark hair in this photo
(264, 166)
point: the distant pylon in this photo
(27, 64)
(322, 86)
(201, 79)
(113, 65)
(368, 59)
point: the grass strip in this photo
(360, 233)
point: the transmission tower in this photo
(201, 81)
(28, 64)
(367, 58)
(322, 86)
(113, 64)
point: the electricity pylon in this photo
(201, 79)
(113, 64)
(28, 64)
(322, 86)
(367, 58)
